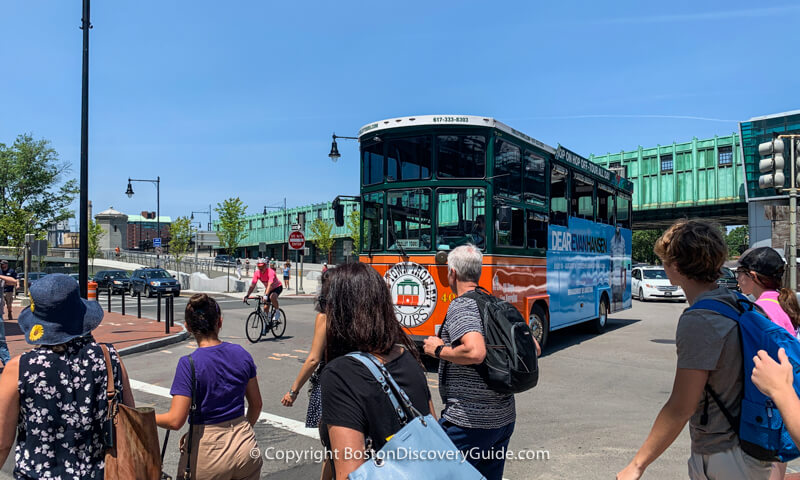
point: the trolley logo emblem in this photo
(414, 293)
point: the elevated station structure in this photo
(699, 178)
(768, 208)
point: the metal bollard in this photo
(172, 312)
(139, 304)
(158, 308)
(109, 298)
(122, 297)
(166, 317)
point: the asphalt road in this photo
(595, 403)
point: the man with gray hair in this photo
(476, 418)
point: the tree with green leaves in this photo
(231, 223)
(321, 235)
(34, 190)
(96, 232)
(180, 238)
(231, 226)
(14, 225)
(643, 243)
(354, 230)
(738, 240)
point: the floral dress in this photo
(62, 406)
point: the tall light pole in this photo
(285, 225)
(83, 250)
(334, 155)
(157, 183)
(201, 211)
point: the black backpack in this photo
(510, 365)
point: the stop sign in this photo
(297, 240)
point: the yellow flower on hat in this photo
(36, 332)
(33, 305)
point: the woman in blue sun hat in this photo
(54, 396)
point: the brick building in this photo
(142, 229)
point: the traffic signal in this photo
(797, 161)
(772, 166)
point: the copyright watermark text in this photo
(316, 455)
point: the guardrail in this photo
(187, 263)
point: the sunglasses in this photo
(744, 270)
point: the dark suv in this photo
(225, 261)
(150, 281)
(117, 281)
(728, 279)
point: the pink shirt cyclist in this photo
(268, 277)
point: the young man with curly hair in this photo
(709, 353)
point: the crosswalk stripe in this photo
(277, 421)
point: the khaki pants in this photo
(222, 451)
(731, 464)
(9, 299)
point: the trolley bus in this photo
(554, 228)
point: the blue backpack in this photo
(762, 433)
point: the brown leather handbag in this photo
(130, 436)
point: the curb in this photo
(154, 344)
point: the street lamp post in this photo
(285, 226)
(334, 155)
(83, 251)
(157, 183)
(201, 211)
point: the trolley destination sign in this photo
(568, 156)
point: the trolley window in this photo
(408, 158)
(461, 156)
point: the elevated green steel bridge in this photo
(700, 178)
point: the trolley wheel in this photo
(539, 325)
(599, 323)
(279, 326)
(253, 327)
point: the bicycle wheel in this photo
(254, 327)
(279, 325)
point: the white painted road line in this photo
(283, 423)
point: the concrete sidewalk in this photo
(126, 332)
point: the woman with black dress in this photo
(355, 410)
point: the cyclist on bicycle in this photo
(273, 286)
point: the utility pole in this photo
(83, 247)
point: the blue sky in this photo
(225, 99)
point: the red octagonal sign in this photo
(296, 240)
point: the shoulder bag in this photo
(421, 449)
(187, 472)
(130, 437)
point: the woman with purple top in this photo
(760, 274)
(225, 374)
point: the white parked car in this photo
(648, 283)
